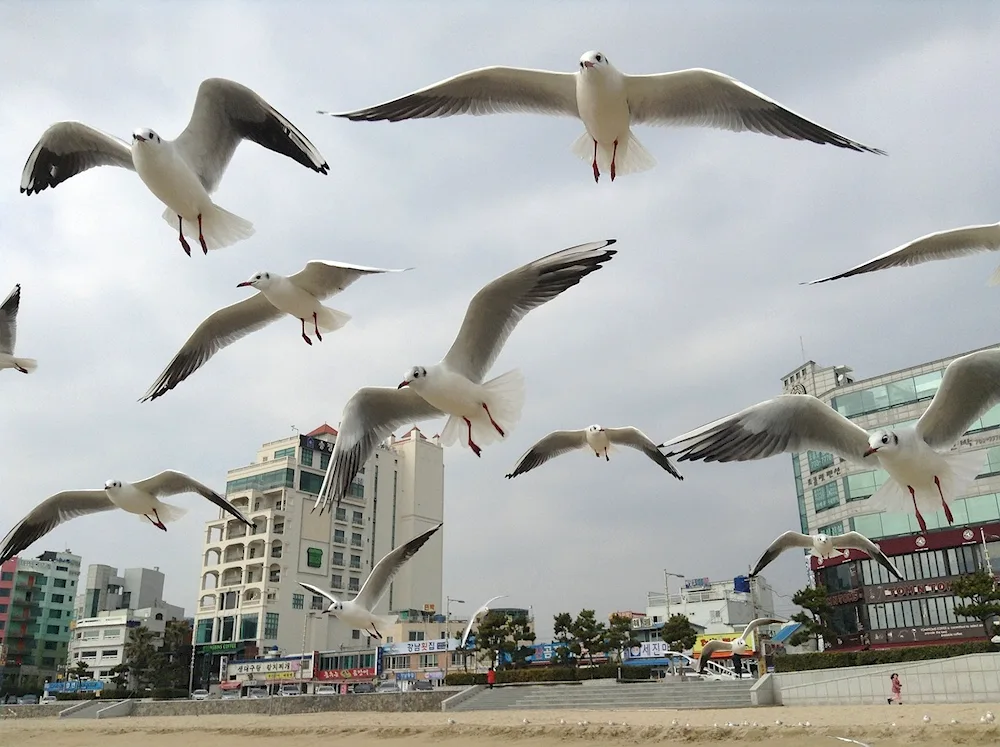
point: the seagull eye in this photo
(885, 439)
(598, 58)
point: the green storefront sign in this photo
(217, 648)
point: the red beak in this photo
(405, 383)
(243, 284)
(588, 63)
(870, 451)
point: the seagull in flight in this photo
(472, 618)
(599, 439)
(609, 102)
(358, 613)
(181, 173)
(825, 546)
(8, 335)
(297, 295)
(917, 457)
(141, 498)
(738, 646)
(481, 411)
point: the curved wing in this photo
(970, 387)
(8, 320)
(222, 328)
(472, 618)
(496, 309)
(49, 514)
(488, 90)
(710, 648)
(369, 416)
(789, 422)
(784, 542)
(858, 541)
(322, 279)
(707, 98)
(754, 624)
(377, 583)
(67, 149)
(957, 242)
(319, 592)
(552, 445)
(171, 482)
(636, 439)
(226, 113)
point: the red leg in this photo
(475, 449)
(499, 429)
(614, 155)
(201, 237)
(316, 327)
(947, 509)
(920, 518)
(180, 235)
(158, 524)
(304, 335)
(597, 172)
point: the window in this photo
(307, 457)
(5, 592)
(55, 613)
(835, 528)
(57, 598)
(341, 514)
(826, 497)
(3, 608)
(282, 453)
(282, 478)
(338, 535)
(248, 627)
(354, 584)
(356, 634)
(355, 539)
(397, 662)
(59, 583)
(356, 561)
(271, 625)
(310, 482)
(992, 465)
(88, 654)
(338, 558)
(51, 645)
(314, 557)
(48, 661)
(204, 631)
(324, 460)
(6, 576)
(358, 518)
(428, 660)
(298, 601)
(819, 460)
(338, 581)
(317, 603)
(356, 490)
(109, 652)
(416, 635)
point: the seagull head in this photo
(595, 428)
(739, 645)
(882, 440)
(260, 281)
(415, 377)
(593, 60)
(113, 485)
(145, 135)
(823, 542)
(334, 608)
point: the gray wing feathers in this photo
(49, 514)
(549, 447)
(785, 541)
(319, 592)
(710, 648)
(8, 320)
(858, 541)
(323, 279)
(970, 387)
(67, 149)
(636, 439)
(754, 624)
(377, 583)
(489, 90)
(171, 482)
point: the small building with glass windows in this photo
(872, 610)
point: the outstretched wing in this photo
(171, 482)
(377, 583)
(70, 148)
(970, 387)
(49, 514)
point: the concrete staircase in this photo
(611, 695)
(88, 709)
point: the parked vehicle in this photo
(47, 699)
(363, 687)
(326, 690)
(289, 690)
(230, 695)
(388, 687)
(258, 693)
(29, 699)
(200, 695)
(422, 685)
(10, 700)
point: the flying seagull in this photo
(472, 618)
(358, 613)
(8, 334)
(298, 295)
(825, 546)
(600, 439)
(181, 173)
(141, 498)
(737, 646)
(957, 242)
(609, 103)
(454, 386)
(915, 456)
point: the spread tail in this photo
(331, 319)
(168, 513)
(631, 158)
(504, 396)
(25, 365)
(220, 227)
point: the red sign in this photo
(230, 685)
(363, 673)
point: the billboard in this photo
(345, 675)
(74, 686)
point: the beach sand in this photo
(870, 724)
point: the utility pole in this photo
(447, 631)
(666, 592)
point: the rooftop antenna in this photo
(802, 347)
(295, 430)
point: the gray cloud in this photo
(698, 315)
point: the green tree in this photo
(140, 656)
(500, 633)
(171, 664)
(562, 655)
(81, 671)
(983, 597)
(815, 620)
(618, 635)
(678, 633)
(588, 635)
(119, 676)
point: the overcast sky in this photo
(698, 315)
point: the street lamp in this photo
(666, 591)
(447, 630)
(302, 661)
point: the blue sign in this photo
(74, 686)
(741, 584)
(406, 675)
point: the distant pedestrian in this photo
(738, 665)
(491, 678)
(897, 689)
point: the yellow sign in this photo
(725, 637)
(428, 608)
(281, 675)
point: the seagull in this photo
(181, 173)
(472, 618)
(454, 386)
(825, 546)
(737, 646)
(8, 334)
(298, 295)
(141, 498)
(956, 242)
(914, 456)
(609, 103)
(357, 613)
(598, 438)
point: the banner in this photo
(339, 675)
(649, 650)
(419, 647)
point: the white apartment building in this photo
(99, 642)
(249, 597)
(716, 606)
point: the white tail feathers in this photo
(168, 513)
(995, 277)
(331, 319)
(961, 470)
(630, 158)
(25, 365)
(504, 396)
(219, 227)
